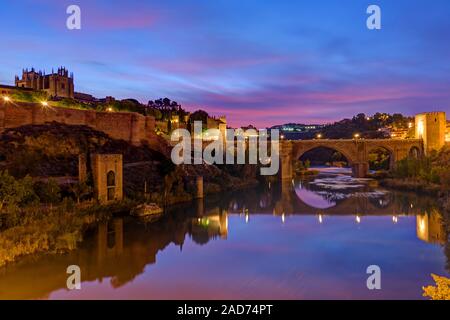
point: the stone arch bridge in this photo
(355, 150)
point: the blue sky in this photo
(259, 62)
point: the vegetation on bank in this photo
(38, 229)
(439, 292)
(429, 174)
(29, 96)
(302, 168)
(35, 217)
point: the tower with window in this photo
(107, 170)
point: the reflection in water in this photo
(313, 199)
(305, 251)
(430, 228)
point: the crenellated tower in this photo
(430, 127)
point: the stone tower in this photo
(430, 127)
(108, 178)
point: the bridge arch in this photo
(356, 152)
(300, 151)
(372, 148)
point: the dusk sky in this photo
(261, 62)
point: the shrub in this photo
(16, 193)
(441, 291)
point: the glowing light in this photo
(358, 219)
(422, 226)
(44, 103)
(109, 109)
(410, 125)
(420, 129)
(319, 136)
(394, 219)
(282, 136)
(283, 218)
(7, 99)
(320, 218)
(356, 135)
(246, 218)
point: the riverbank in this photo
(50, 230)
(58, 229)
(411, 184)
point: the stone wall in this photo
(131, 127)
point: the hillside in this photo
(52, 149)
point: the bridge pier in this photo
(286, 160)
(360, 169)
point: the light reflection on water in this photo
(294, 241)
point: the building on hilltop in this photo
(59, 84)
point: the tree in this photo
(49, 192)
(199, 115)
(15, 193)
(80, 190)
(441, 291)
(166, 102)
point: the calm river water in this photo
(298, 240)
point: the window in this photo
(111, 185)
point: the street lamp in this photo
(6, 98)
(44, 103)
(356, 135)
(319, 136)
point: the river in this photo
(303, 239)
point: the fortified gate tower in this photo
(430, 127)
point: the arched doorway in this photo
(111, 185)
(415, 153)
